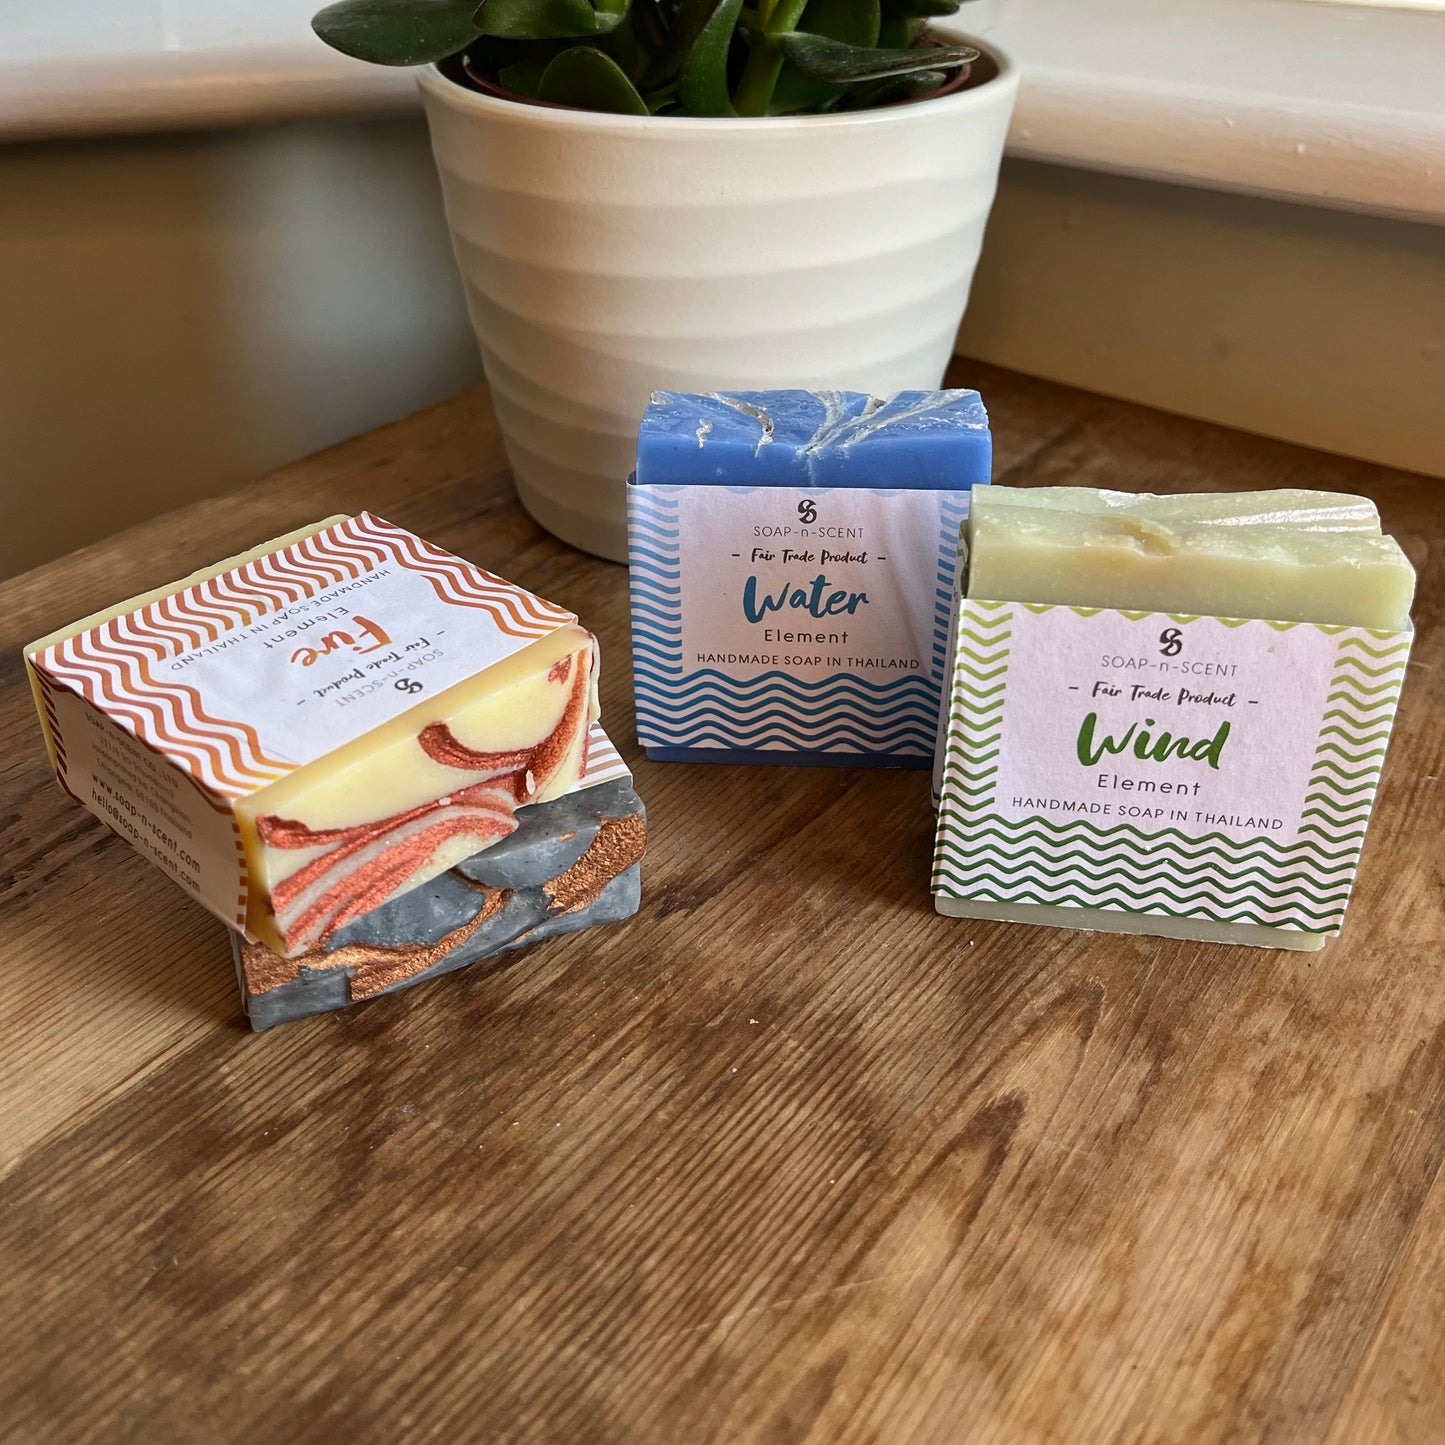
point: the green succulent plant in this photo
(665, 57)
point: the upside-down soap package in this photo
(793, 559)
(300, 735)
(1169, 715)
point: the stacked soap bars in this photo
(304, 735)
(793, 558)
(569, 864)
(1169, 714)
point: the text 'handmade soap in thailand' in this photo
(303, 733)
(793, 558)
(1169, 715)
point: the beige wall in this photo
(1322, 327)
(181, 314)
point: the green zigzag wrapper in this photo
(1304, 885)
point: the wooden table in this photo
(788, 1158)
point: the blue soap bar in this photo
(925, 440)
(794, 557)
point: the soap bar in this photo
(916, 439)
(303, 732)
(570, 864)
(1287, 507)
(1144, 558)
(1164, 720)
(792, 563)
(1301, 509)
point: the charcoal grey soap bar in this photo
(572, 863)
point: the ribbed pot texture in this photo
(606, 257)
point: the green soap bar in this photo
(1291, 555)
(1140, 560)
(1288, 507)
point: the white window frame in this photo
(1338, 104)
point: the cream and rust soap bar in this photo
(1169, 715)
(572, 863)
(302, 733)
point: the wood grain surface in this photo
(786, 1159)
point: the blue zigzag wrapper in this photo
(1246, 803)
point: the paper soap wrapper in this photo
(1145, 772)
(301, 733)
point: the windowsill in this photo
(1212, 94)
(1219, 94)
(98, 67)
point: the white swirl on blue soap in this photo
(815, 439)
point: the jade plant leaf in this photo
(522, 77)
(855, 22)
(386, 32)
(902, 19)
(682, 23)
(920, 9)
(816, 57)
(586, 78)
(650, 21)
(664, 99)
(703, 86)
(913, 86)
(547, 19)
(793, 95)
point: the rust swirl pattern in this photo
(367, 864)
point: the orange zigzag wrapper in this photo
(300, 733)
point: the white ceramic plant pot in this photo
(609, 256)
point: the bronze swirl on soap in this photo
(368, 863)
